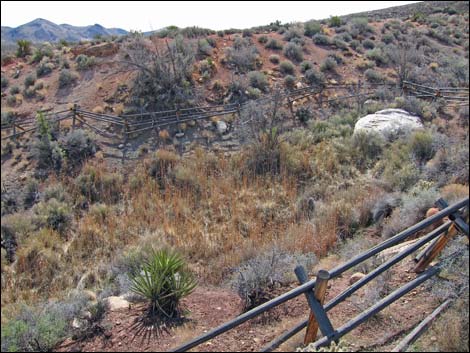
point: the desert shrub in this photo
(78, 145)
(340, 44)
(96, 185)
(164, 280)
(304, 114)
(45, 150)
(243, 55)
(377, 55)
(31, 193)
(56, 191)
(305, 65)
(29, 92)
(162, 163)
(367, 149)
(314, 77)
(355, 44)
(388, 38)
(373, 76)
(263, 39)
(311, 28)
(329, 64)
(335, 21)
(44, 68)
(44, 50)
(67, 78)
(24, 48)
(368, 44)
(40, 330)
(203, 47)
(253, 92)
(321, 39)
(294, 52)
(257, 277)
(4, 82)
(14, 90)
(11, 101)
(84, 62)
(53, 214)
(413, 208)
(29, 81)
(273, 44)
(258, 80)
(286, 67)
(289, 81)
(274, 58)
(8, 117)
(422, 146)
(247, 33)
(293, 33)
(360, 25)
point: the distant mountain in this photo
(41, 30)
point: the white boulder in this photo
(389, 123)
(221, 127)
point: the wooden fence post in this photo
(320, 293)
(14, 127)
(74, 116)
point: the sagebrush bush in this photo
(286, 67)
(289, 81)
(314, 77)
(243, 55)
(4, 82)
(274, 58)
(67, 78)
(294, 52)
(321, 39)
(78, 145)
(84, 62)
(44, 68)
(44, 50)
(258, 80)
(274, 44)
(257, 277)
(263, 39)
(311, 28)
(306, 65)
(329, 64)
(54, 214)
(377, 55)
(29, 81)
(14, 90)
(164, 280)
(368, 44)
(373, 76)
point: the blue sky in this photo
(145, 16)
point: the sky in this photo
(152, 15)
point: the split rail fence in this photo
(315, 290)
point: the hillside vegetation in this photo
(80, 223)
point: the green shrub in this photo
(24, 48)
(54, 214)
(373, 76)
(312, 28)
(294, 52)
(303, 114)
(368, 44)
(340, 44)
(84, 62)
(29, 80)
(274, 58)
(377, 55)
(367, 149)
(44, 50)
(314, 77)
(14, 90)
(44, 68)
(247, 33)
(164, 280)
(355, 44)
(328, 65)
(286, 67)
(11, 101)
(4, 82)
(305, 65)
(78, 145)
(321, 39)
(31, 193)
(258, 80)
(29, 92)
(274, 44)
(422, 146)
(253, 92)
(67, 78)
(263, 39)
(388, 38)
(335, 21)
(294, 33)
(289, 81)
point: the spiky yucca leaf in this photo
(164, 280)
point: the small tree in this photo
(404, 57)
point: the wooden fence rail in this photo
(319, 311)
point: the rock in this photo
(76, 323)
(179, 134)
(115, 303)
(389, 123)
(99, 50)
(356, 277)
(221, 127)
(299, 85)
(121, 146)
(128, 144)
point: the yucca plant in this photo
(164, 279)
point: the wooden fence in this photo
(315, 290)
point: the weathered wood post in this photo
(74, 115)
(320, 293)
(14, 127)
